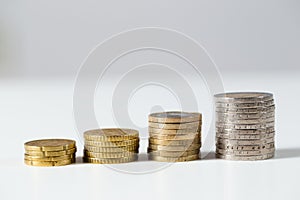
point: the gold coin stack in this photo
(174, 136)
(50, 152)
(111, 146)
(245, 126)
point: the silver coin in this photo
(243, 96)
(245, 121)
(245, 110)
(244, 152)
(245, 131)
(246, 148)
(245, 137)
(245, 142)
(244, 116)
(244, 126)
(245, 158)
(245, 105)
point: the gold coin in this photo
(112, 134)
(155, 147)
(174, 154)
(112, 143)
(112, 149)
(52, 158)
(108, 155)
(173, 132)
(50, 145)
(50, 153)
(109, 160)
(49, 163)
(169, 159)
(174, 142)
(188, 136)
(174, 117)
(180, 126)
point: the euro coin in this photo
(174, 154)
(246, 158)
(133, 142)
(108, 155)
(112, 149)
(170, 159)
(50, 153)
(174, 117)
(190, 147)
(113, 134)
(174, 142)
(50, 145)
(178, 126)
(50, 158)
(110, 160)
(48, 163)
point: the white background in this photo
(42, 44)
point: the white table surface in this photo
(32, 109)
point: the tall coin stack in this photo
(50, 152)
(111, 146)
(174, 136)
(245, 126)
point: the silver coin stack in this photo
(245, 126)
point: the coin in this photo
(155, 147)
(110, 160)
(246, 121)
(245, 137)
(48, 163)
(244, 152)
(174, 154)
(189, 136)
(50, 158)
(173, 132)
(246, 158)
(243, 97)
(179, 126)
(170, 159)
(50, 153)
(113, 134)
(112, 149)
(245, 110)
(133, 142)
(244, 142)
(174, 117)
(174, 142)
(245, 131)
(244, 126)
(239, 116)
(246, 147)
(108, 155)
(50, 145)
(245, 104)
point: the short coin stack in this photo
(50, 152)
(174, 136)
(245, 126)
(111, 146)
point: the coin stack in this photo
(50, 152)
(245, 126)
(174, 136)
(111, 146)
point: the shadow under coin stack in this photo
(111, 146)
(50, 152)
(245, 126)
(174, 136)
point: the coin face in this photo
(50, 145)
(113, 134)
(174, 117)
